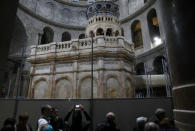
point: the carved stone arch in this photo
(41, 89)
(99, 31)
(116, 33)
(109, 32)
(112, 86)
(63, 88)
(159, 65)
(91, 33)
(84, 88)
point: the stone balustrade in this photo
(77, 45)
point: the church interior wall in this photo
(57, 12)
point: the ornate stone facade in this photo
(63, 69)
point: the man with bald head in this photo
(44, 120)
(109, 124)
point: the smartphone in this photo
(77, 106)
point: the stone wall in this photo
(63, 70)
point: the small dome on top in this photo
(103, 7)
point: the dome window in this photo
(108, 6)
(98, 6)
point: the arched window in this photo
(100, 31)
(117, 33)
(140, 69)
(82, 36)
(153, 26)
(159, 65)
(136, 34)
(91, 34)
(109, 32)
(66, 36)
(47, 36)
(122, 32)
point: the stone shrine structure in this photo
(63, 69)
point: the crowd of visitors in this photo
(51, 121)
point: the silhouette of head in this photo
(9, 124)
(23, 118)
(110, 117)
(46, 110)
(160, 113)
(141, 121)
(151, 126)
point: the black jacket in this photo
(77, 123)
(106, 126)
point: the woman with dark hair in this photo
(77, 123)
(23, 123)
(9, 125)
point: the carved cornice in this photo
(80, 49)
(79, 4)
(151, 51)
(41, 18)
(137, 13)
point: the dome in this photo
(103, 7)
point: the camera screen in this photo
(77, 106)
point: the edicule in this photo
(63, 69)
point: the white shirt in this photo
(41, 122)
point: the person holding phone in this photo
(78, 124)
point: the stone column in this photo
(7, 13)
(52, 80)
(101, 78)
(179, 28)
(122, 79)
(75, 80)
